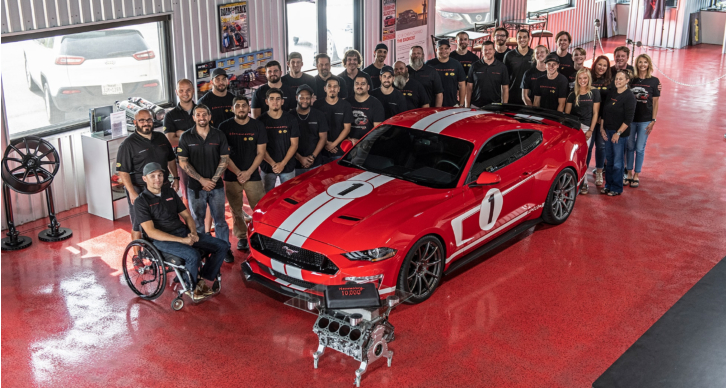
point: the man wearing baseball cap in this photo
(158, 209)
(313, 127)
(374, 69)
(453, 77)
(391, 98)
(219, 99)
(550, 91)
(295, 77)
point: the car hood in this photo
(347, 208)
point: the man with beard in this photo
(425, 75)
(374, 69)
(140, 148)
(274, 81)
(282, 140)
(322, 63)
(295, 77)
(392, 100)
(339, 115)
(412, 90)
(518, 61)
(352, 61)
(313, 132)
(462, 54)
(453, 78)
(501, 35)
(488, 81)
(367, 112)
(219, 99)
(247, 141)
(551, 90)
(622, 53)
(203, 153)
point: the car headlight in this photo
(374, 255)
(451, 15)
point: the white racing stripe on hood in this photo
(442, 124)
(380, 180)
(311, 223)
(430, 119)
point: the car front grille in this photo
(289, 279)
(289, 254)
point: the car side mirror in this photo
(346, 145)
(486, 179)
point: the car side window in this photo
(530, 139)
(498, 152)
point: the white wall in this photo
(670, 32)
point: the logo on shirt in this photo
(178, 149)
(144, 150)
(118, 164)
(170, 199)
(282, 131)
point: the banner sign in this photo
(411, 27)
(654, 9)
(233, 31)
(388, 19)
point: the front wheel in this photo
(561, 198)
(422, 269)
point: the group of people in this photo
(228, 147)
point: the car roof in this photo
(477, 125)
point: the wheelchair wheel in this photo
(144, 272)
(177, 304)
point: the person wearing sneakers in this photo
(615, 128)
(584, 102)
(158, 211)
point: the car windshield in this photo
(425, 158)
(95, 45)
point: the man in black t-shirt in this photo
(415, 94)
(295, 77)
(159, 210)
(367, 111)
(259, 98)
(136, 151)
(203, 153)
(313, 132)
(219, 99)
(247, 140)
(567, 64)
(339, 115)
(462, 54)
(518, 61)
(179, 119)
(322, 63)
(426, 75)
(501, 35)
(391, 98)
(282, 141)
(352, 61)
(488, 80)
(453, 78)
(621, 55)
(374, 69)
(550, 90)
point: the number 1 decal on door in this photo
(489, 211)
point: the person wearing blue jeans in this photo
(282, 141)
(647, 88)
(203, 154)
(158, 210)
(615, 129)
(269, 179)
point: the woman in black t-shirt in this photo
(584, 102)
(578, 58)
(530, 76)
(615, 129)
(645, 88)
(601, 81)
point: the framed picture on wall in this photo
(233, 26)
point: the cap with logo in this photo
(551, 57)
(151, 167)
(387, 69)
(219, 71)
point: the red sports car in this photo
(422, 194)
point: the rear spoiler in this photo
(533, 113)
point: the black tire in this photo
(32, 86)
(561, 198)
(52, 113)
(422, 269)
(145, 275)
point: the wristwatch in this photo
(653, 120)
(176, 178)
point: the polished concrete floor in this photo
(554, 308)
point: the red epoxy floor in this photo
(554, 308)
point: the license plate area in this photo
(112, 89)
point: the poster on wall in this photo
(388, 19)
(654, 9)
(245, 72)
(411, 27)
(233, 31)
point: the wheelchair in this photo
(145, 273)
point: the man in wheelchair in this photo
(158, 209)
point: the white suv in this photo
(81, 71)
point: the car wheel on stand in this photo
(561, 198)
(422, 269)
(29, 79)
(53, 114)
